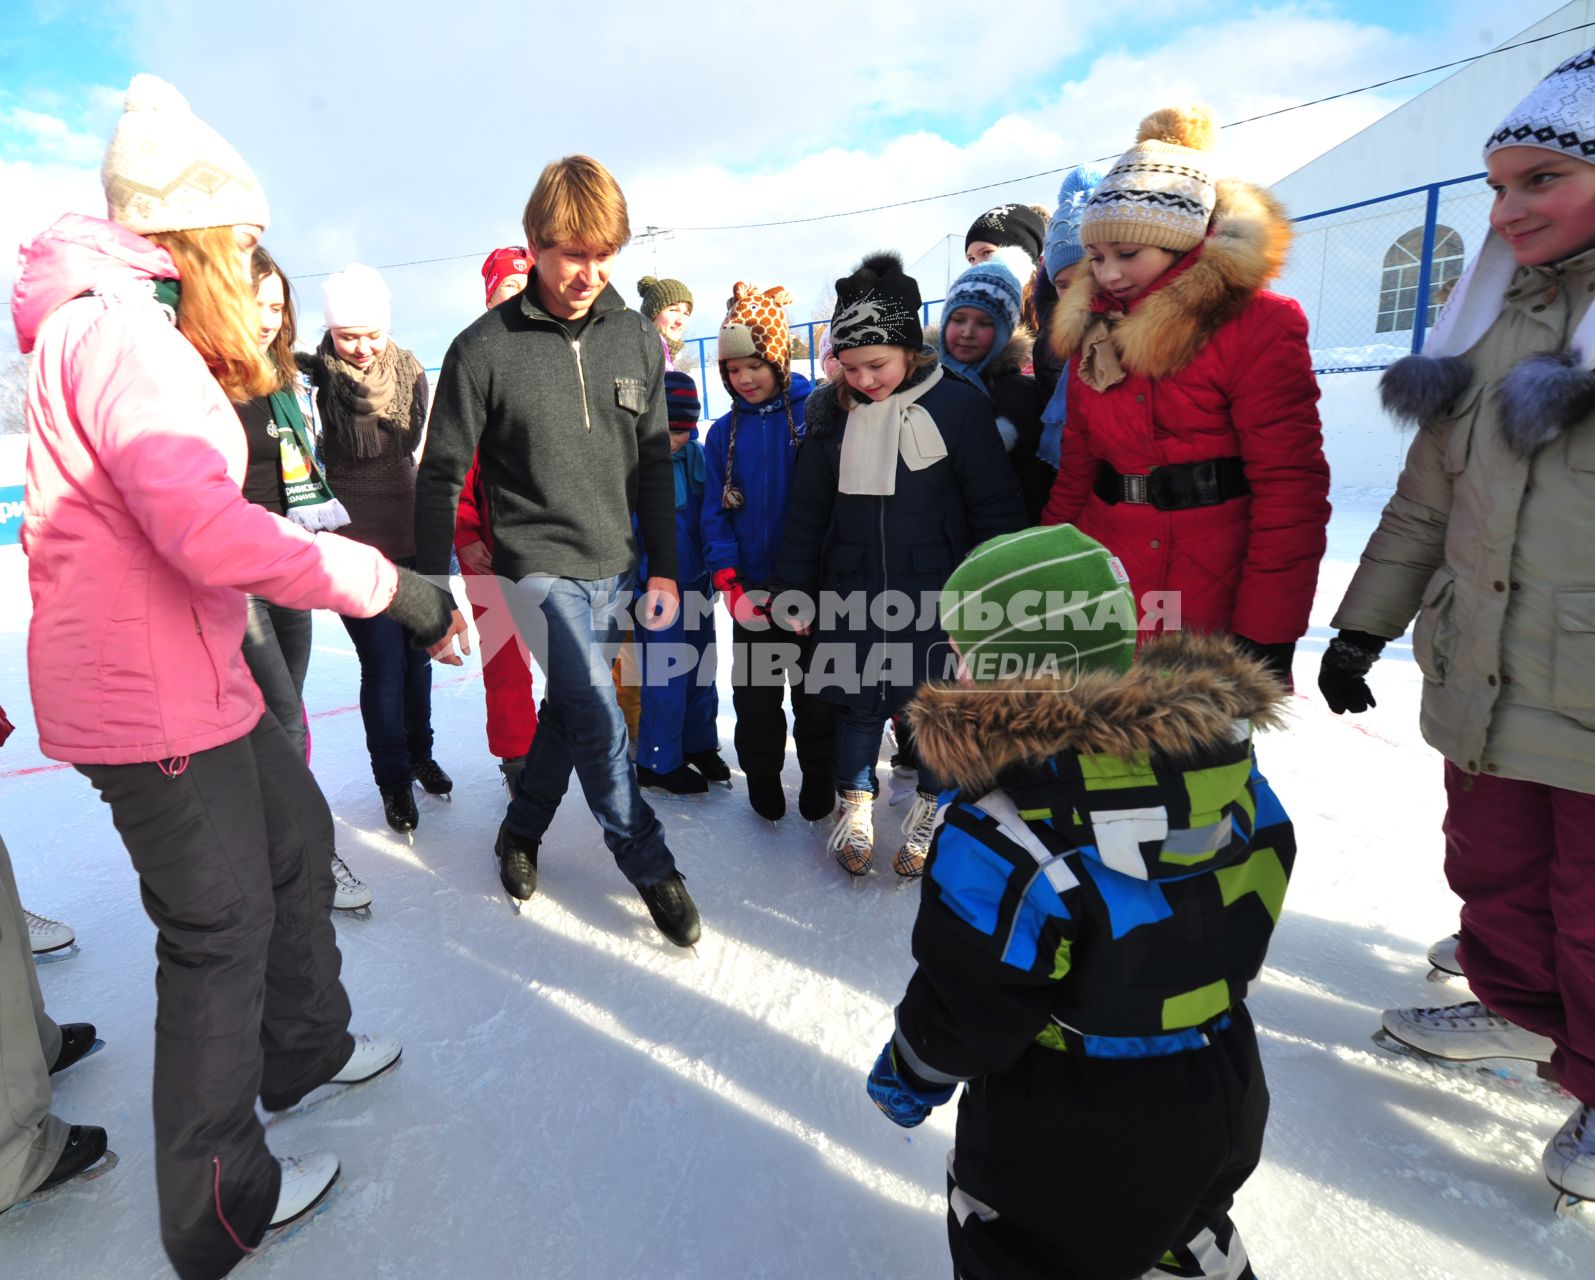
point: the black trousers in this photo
(1073, 1168)
(762, 664)
(233, 849)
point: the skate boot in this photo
(679, 782)
(710, 765)
(1465, 1032)
(918, 828)
(46, 935)
(766, 796)
(673, 909)
(1569, 1160)
(77, 1042)
(817, 799)
(350, 893)
(1443, 956)
(305, 1180)
(432, 778)
(371, 1057)
(517, 863)
(852, 840)
(398, 806)
(85, 1144)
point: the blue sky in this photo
(388, 135)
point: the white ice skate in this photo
(1443, 959)
(371, 1057)
(351, 893)
(305, 1179)
(1569, 1160)
(46, 935)
(1465, 1033)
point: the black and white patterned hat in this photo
(878, 305)
(1557, 115)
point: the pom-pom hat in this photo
(167, 170)
(1160, 192)
(878, 305)
(1063, 248)
(658, 294)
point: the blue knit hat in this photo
(682, 407)
(1063, 248)
(992, 286)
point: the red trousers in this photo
(506, 669)
(1521, 856)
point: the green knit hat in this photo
(658, 294)
(1042, 601)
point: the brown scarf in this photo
(1099, 355)
(363, 403)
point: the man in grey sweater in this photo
(559, 391)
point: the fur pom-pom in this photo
(1417, 388)
(1192, 126)
(885, 263)
(1541, 398)
(647, 283)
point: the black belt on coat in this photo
(1177, 486)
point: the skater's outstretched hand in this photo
(900, 1102)
(1342, 673)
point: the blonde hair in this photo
(576, 201)
(218, 313)
(921, 358)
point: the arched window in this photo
(1398, 283)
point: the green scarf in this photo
(307, 497)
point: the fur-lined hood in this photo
(1184, 693)
(1247, 240)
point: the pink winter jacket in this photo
(140, 546)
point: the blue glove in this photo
(899, 1101)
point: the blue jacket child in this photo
(678, 748)
(751, 459)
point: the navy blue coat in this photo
(870, 551)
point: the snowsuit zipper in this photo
(581, 377)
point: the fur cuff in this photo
(1541, 398)
(1417, 388)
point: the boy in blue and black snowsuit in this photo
(678, 749)
(752, 456)
(1101, 891)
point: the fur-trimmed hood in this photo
(1248, 237)
(1182, 695)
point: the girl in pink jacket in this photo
(141, 548)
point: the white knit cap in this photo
(1557, 115)
(357, 298)
(167, 170)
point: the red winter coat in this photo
(1214, 366)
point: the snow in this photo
(578, 1098)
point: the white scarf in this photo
(880, 432)
(1477, 300)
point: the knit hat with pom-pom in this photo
(167, 170)
(658, 294)
(1161, 191)
(878, 305)
(1063, 248)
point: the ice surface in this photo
(579, 1099)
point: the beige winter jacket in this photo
(1495, 552)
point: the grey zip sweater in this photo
(572, 439)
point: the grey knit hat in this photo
(1557, 115)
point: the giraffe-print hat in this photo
(755, 325)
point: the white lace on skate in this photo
(1466, 1032)
(1569, 1160)
(351, 893)
(45, 934)
(853, 837)
(918, 828)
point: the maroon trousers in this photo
(1521, 856)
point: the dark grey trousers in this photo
(233, 849)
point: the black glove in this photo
(1348, 659)
(1276, 657)
(424, 610)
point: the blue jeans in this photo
(395, 697)
(573, 628)
(277, 650)
(858, 747)
(679, 700)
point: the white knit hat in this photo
(167, 170)
(1161, 190)
(357, 298)
(1558, 114)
